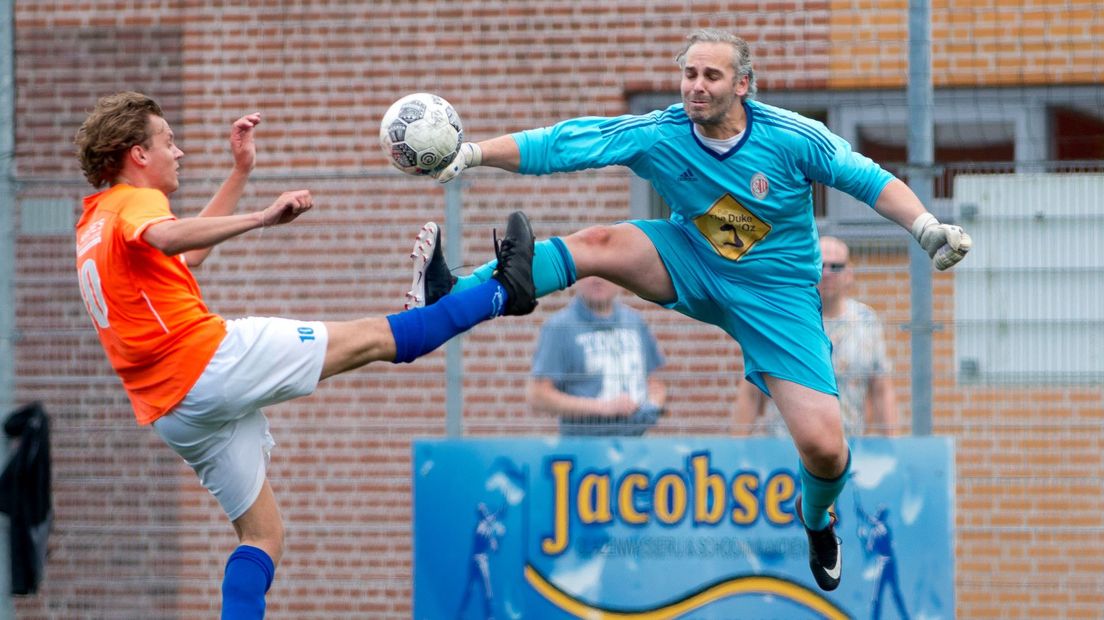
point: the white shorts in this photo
(219, 428)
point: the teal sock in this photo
(553, 269)
(818, 494)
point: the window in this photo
(1077, 135)
(1031, 316)
(989, 143)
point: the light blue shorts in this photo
(779, 328)
(219, 429)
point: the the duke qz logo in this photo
(731, 229)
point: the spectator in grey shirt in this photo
(594, 366)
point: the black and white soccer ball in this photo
(421, 133)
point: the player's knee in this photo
(823, 464)
(594, 251)
(824, 455)
(595, 238)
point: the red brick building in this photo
(135, 536)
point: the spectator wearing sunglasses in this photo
(867, 402)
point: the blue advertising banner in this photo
(674, 528)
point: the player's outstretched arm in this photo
(501, 152)
(946, 244)
(174, 237)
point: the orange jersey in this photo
(154, 326)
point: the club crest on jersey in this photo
(760, 185)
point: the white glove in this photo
(469, 156)
(944, 243)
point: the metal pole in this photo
(921, 149)
(7, 260)
(454, 358)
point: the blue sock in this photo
(421, 330)
(249, 573)
(553, 269)
(818, 494)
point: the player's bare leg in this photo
(250, 569)
(353, 344)
(813, 419)
(624, 255)
(262, 526)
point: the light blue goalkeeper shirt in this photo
(750, 210)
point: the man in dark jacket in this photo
(25, 495)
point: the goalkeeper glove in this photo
(469, 156)
(944, 243)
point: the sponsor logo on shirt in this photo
(687, 175)
(90, 237)
(731, 228)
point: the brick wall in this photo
(135, 536)
(974, 43)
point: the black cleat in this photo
(432, 278)
(825, 552)
(515, 265)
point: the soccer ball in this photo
(421, 133)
